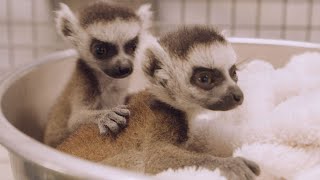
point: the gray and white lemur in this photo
(106, 37)
(189, 70)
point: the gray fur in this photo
(104, 12)
(180, 42)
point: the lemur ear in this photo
(67, 23)
(145, 14)
(225, 33)
(153, 64)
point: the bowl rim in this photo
(50, 158)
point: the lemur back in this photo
(150, 121)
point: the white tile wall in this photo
(271, 34)
(46, 35)
(271, 13)
(3, 34)
(297, 13)
(43, 11)
(22, 56)
(22, 34)
(220, 13)
(246, 13)
(21, 10)
(31, 28)
(315, 36)
(195, 12)
(3, 10)
(276, 19)
(4, 63)
(297, 35)
(239, 32)
(172, 15)
(316, 13)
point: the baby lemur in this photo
(189, 70)
(106, 37)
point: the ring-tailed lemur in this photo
(191, 69)
(106, 37)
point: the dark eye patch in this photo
(103, 50)
(131, 46)
(205, 78)
(233, 73)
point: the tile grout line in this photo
(10, 34)
(208, 11)
(233, 17)
(183, 12)
(258, 19)
(34, 30)
(284, 19)
(309, 21)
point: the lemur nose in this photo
(125, 69)
(237, 97)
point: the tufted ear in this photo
(67, 23)
(153, 64)
(145, 14)
(225, 33)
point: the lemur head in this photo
(193, 67)
(105, 35)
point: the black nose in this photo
(237, 97)
(124, 70)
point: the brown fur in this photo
(57, 126)
(178, 43)
(102, 11)
(87, 143)
(153, 141)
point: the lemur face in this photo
(106, 36)
(111, 47)
(194, 66)
(213, 79)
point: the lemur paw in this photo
(240, 169)
(113, 120)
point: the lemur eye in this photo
(233, 73)
(131, 46)
(206, 78)
(103, 50)
(100, 50)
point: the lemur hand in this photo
(113, 120)
(239, 169)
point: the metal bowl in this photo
(27, 93)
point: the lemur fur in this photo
(106, 37)
(190, 70)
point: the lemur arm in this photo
(162, 156)
(86, 108)
(111, 118)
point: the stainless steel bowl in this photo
(27, 93)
